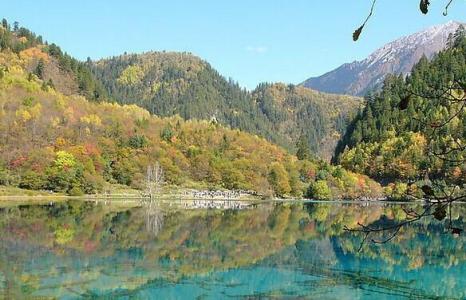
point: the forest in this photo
(414, 128)
(72, 144)
(76, 127)
(171, 83)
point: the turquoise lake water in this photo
(93, 250)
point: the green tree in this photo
(39, 70)
(303, 151)
(66, 173)
(319, 190)
(278, 179)
(32, 181)
(167, 133)
(138, 141)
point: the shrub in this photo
(75, 191)
(396, 191)
(319, 190)
(278, 179)
(322, 174)
(32, 181)
(4, 176)
(138, 141)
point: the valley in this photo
(78, 128)
(176, 150)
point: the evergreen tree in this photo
(39, 70)
(303, 151)
(399, 132)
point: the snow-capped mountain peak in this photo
(397, 57)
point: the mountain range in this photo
(78, 128)
(174, 83)
(397, 57)
(180, 83)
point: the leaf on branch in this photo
(424, 6)
(357, 33)
(404, 103)
(428, 190)
(455, 230)
(440, 213)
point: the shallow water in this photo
(77, 249)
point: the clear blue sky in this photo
(251, 41)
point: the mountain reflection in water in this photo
(79, 249)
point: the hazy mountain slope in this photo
(397, 57)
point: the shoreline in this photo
(121, 198)
(179, 194)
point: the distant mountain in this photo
(173, 83)
(397, 57)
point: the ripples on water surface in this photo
(76, 249)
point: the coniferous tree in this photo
(39, 71)
(303, 151)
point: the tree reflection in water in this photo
(154, 217)
(81, 249)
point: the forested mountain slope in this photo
(299, 113)
(68, 144)
(401, 128)
(171, 83)
(49, 63)
(168, 83)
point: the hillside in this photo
(169, 83)
(68, 144)
(48, 62)
(172, 83)
(398, 136)
(299, 113)
(397, 57)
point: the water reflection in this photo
(154, 217)
(81, 249)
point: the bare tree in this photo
(154, 181)
(153, 190)
(154, 218)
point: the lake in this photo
(87, 249)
